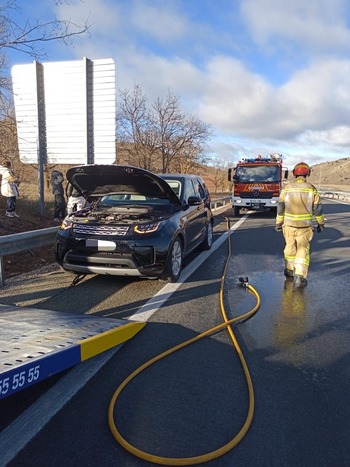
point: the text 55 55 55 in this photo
(18, 380)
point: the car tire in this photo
(208, 240)
(236, 210)
(173, 266)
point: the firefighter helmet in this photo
(301, 169)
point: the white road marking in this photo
(150, 307)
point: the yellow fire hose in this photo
(225, 325)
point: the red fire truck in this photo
(257, 183)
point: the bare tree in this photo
(189, 159)
(178, 134)
(135, 136)
(8, 134)
(219, 175)
(31, 37)
(160, 138)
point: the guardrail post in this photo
(2, 281)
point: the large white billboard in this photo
(65, 111)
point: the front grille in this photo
(251, 195)
(104, 260)
(88, 229)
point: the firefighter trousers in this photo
(297, 249)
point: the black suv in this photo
(137, 223)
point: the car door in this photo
(203, 193)
(196, 218)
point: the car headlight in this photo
(66, 224)
(147, 228)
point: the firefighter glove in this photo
(320, 227)
(278, 227)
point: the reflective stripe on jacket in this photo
(299, 201)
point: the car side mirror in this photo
(194, 200)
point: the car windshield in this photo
(257, 173)
(123, 199)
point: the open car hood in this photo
(97, 180)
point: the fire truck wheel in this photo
(236, 211)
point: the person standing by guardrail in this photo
(58, 192)
(9, 188)
(298, 202)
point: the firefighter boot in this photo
(299, 281)
(288, 273)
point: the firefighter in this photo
(298, 202)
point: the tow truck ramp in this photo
(36, 344)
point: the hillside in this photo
(332, 175)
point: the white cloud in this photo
(337, 136)
(318, 96)
(159, 21)
(105, 17)
(237, 101)
(232, 96)
(312, 24)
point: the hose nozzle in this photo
(244, 281)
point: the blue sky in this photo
(268, 75)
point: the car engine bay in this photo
(127, 214)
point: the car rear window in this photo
(175, 185)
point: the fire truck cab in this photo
(257, 183)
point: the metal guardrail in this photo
(219, 203)
(24, 241)
(341, 195)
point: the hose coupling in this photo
(244, 282)
(77, 279)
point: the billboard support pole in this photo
(41, 145)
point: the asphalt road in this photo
(194, 401)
